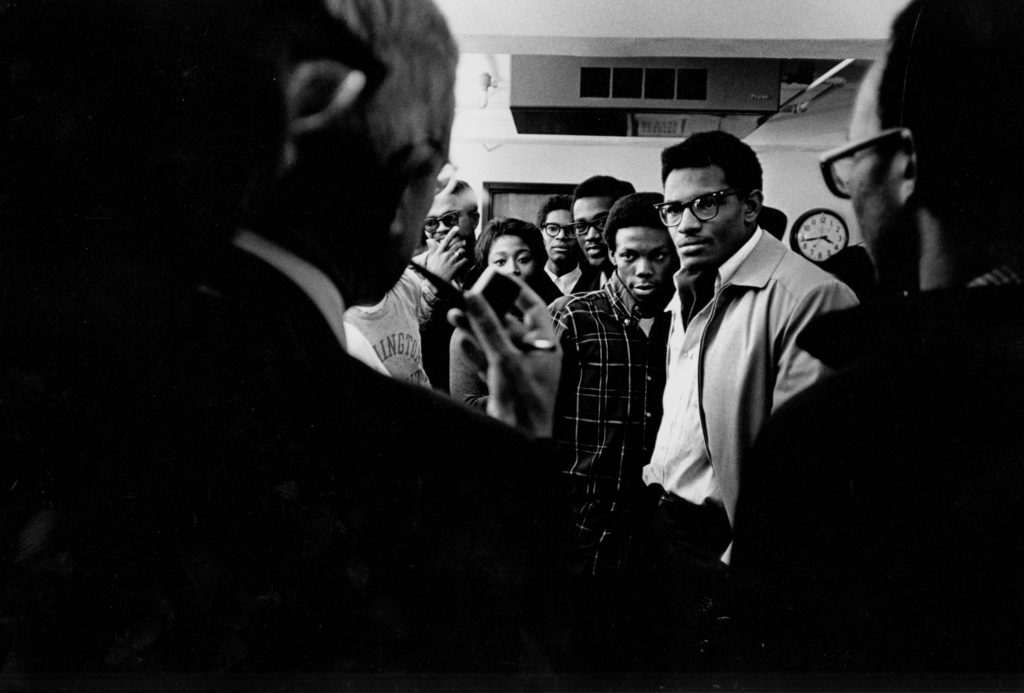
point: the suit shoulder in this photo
(428, 419)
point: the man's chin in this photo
(653, 297)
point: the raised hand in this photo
(524, 361)
(446, 257)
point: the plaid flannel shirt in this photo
(607, 415)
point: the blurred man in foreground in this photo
(199, 478)
(879, 533)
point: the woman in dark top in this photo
(513, 247)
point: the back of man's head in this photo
(602, 186)
(633, 210)
(953, 78)
(715, 148)
(348, 172)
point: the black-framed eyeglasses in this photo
(432, 225)
(580, 228)
(837, 164)
(552, 229)
(704, 207)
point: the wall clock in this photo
(819, 234)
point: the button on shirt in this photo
(607, 414)
(681, 462)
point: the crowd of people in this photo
(256, 420)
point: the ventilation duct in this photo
(653, 97)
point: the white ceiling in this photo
(700, 28)
(488, 31)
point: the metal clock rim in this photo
(807, 215)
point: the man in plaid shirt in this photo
(609, 405)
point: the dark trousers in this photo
(689, 581)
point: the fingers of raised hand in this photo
(450, 237)
(487, 327)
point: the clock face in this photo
(819, 234)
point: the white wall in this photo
(788, 147)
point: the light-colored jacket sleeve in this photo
(417, 292)
(797, 369)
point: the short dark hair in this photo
(602, 186)
(633, 210)
(952, 76)
(553, 204)
(715, 148)
(510, 226)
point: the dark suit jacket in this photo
(256, 500)
(879, 531)
(590, 280)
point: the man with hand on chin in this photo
(742, 299)
(449, 227)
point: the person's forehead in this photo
(864, 122)
(443, 204)
(683, 184)
(508, 244)
(588, 207)
(466, 201)
(642, 237)
(558, 216)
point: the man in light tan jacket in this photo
(742, 300)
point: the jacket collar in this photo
(622, 301)
(757, 268)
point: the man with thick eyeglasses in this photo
(741, 299)
(450, 226)
(452, 208)
(591, 201)
(898, 550)
(564, 266)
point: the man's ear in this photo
(752, 206)
(317, 92)
(903, 173)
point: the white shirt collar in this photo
(567, 281)
(312, 281)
